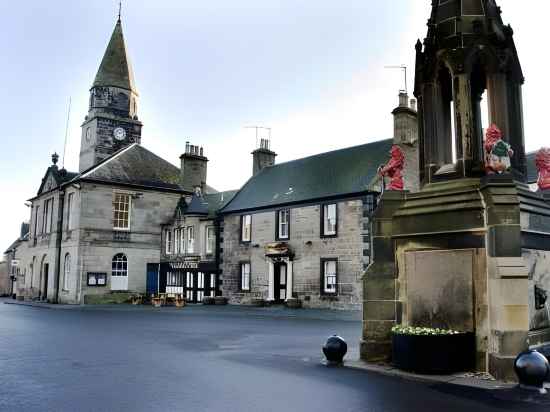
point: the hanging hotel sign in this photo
(277, 249)
(187, 263)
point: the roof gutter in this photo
(308, 202)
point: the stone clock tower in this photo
(112, 122)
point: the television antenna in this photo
(404, 68)
(258, 128)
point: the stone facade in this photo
(351, 248)
(5, 281)
(91, 241)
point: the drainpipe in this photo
(59, 238)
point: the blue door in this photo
(152, 278)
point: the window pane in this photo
(284, 216)
(246, 228)
(329, 219)
(245, 276)
(120, 265)
(330, 276)
(190, 239)
(121, 211)
(210, 240)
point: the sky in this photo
(311, 70)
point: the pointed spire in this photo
(115, 69)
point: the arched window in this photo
(120, 265)
(67, 272)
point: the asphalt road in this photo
(199, 359)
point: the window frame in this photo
(70, 214)
(47, 216)
(66, 271)
(36, 225)
(190, 240)
(324, 235)
(324, 292)
(123, 262)
(183, 247)
(177, 244)
(278, 224)
(242, 265)
(168, 241)
(207, 241)
(243, 240)
(115, 227)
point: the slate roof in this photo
(333, 174)
(60, 176)
(115, 68)
(216, 201)
(197, 206)
(532, 171)
(135, 166)
(206, 205)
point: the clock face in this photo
(119, 133)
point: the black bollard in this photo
(335, 349)
(532, 370)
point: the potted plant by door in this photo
(156, 301)
(432, 350)
(179, 301)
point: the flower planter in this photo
(220, 300)
(259, 303)
(180, 303)
(293, 303)
(157, 302)
(434, 354)
(208, 300)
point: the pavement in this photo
(208, 358)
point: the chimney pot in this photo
(403, 99)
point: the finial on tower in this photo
(119, 9)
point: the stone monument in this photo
(470, 250)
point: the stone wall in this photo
(5, 282)
(351, 247)
(98, 243)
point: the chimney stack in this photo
(262, 157)
(193, 168)
(405, 120)
(403, 99)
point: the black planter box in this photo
(434, 354)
